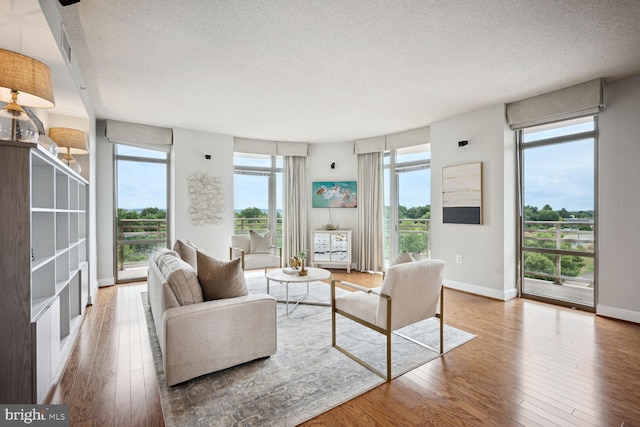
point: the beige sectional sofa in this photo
(197, 336)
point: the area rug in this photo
(305, 377)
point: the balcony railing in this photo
(137, 238)
(569, 245)
(261, 225)
(413, 237)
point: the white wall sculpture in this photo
(207, 199)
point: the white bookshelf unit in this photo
(331, 248)
(44, 268)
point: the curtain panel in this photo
(370, 212)
(294, 222)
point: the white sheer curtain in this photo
(295, 192)
(370, 212)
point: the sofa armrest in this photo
(214, 335)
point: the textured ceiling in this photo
(327, 70)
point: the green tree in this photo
(538, 263)
(128, 214)
(571, 265)
(251, 213)
(153, 213)
(548, 214)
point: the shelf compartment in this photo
(62, 270)
(75, 307)
(82, 196)
(82, 225)
(62, 190)
(73, 228)
(82, 251)
(64, 313)
(73, 194)
(42, 232)
(42, 179)
(62, 230)
(42, 287)
(73, 258)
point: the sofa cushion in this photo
(260, 244)
(220, 279)
(182, 279)
(158, 252)
(187, 252)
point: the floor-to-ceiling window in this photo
(258, 194)
(558, 198)
(141, 200)
(407, 193)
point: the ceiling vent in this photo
(66, 46)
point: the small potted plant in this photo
(302, 255)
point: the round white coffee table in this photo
(313, 274)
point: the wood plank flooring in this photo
(531, 364)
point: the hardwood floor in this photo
(531, 364)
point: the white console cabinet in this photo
(331, 248)
(43, 268)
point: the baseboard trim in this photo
(481, 290)
(618, 313)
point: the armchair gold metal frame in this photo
(386, 331)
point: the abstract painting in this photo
(335, 194)
(462, 194)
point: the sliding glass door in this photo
(407, 177)
(558, 195)
(258, 194)
(141, 215)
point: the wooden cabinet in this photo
(43, 268)
(331, 248)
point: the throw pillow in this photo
(260, 244)
(401, 259)
(220, 279)
(159, 252)
(187, 252)
(181, 278)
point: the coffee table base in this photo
(317, 274)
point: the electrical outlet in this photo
(458, 259)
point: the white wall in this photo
(319, 169)
(189, 148)
(488, 250)
(105, 208)
(619, 201)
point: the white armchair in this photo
(241, 247)
(410, 292)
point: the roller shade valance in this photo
(271, 148)
(394, 141)
(137, 135)
(581, 100)
(409, 138)
(369, 145)
(298, 149)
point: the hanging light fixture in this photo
(75, 142)
(23, 81)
